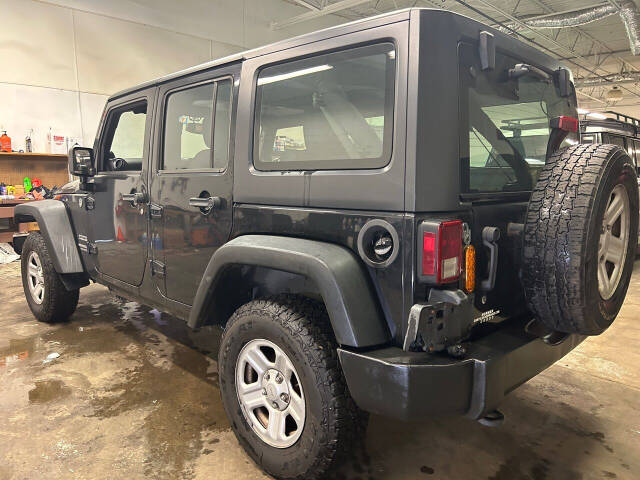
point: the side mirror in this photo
(81, 162)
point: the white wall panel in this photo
(23, 108)
(36, 44)
(220, 20)
(116, 54)
(219, 49)
(91, 107)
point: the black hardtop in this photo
(425, 14)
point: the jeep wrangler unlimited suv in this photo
(390, 216)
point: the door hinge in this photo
(157, 268)
(155, 211)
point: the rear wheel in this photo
(580, 238)
(46, 295)
(283, 389)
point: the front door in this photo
(191, 204)
(119, 214)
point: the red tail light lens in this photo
(568, 124)
(429, 254)
(449, 251)
(441, 252)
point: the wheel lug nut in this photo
(264, 391)
(275, 404)
(266, 377)
(284, 397)
(279, 379)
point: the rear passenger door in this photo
(192, 180)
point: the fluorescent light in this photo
(595, 115)
(294, 74)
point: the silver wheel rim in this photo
(270, 393)
(35, 278)
(614, 239)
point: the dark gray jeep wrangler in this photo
(390, 216)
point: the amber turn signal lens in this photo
(469, 268)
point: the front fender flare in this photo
(55, 227)
(353, 309)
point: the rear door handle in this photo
(206, 203)
(136, 197)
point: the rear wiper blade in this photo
(522, 69)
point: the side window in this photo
(331, 111)
(125, 133)
(190, 121)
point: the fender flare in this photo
(354, 311)
(55, 227)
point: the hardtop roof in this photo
(335, 31)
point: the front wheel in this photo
(48, 298)
(283, 389)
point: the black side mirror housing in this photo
(81, 162)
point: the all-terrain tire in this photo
(333, 424)
(57, 303)
(562, 237)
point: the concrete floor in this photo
(133, 394)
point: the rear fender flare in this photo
(354, 311)
(55, 227)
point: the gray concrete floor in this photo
(134, 394)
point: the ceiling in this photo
(594, 50)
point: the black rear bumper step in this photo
(408, 385)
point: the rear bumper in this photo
(407, 385)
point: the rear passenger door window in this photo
(196, 128)
(330, 111)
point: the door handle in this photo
(206, 203)
(135, 197)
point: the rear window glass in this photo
(505, 125)
(330, 111)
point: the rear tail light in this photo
(568, 124)
(440, 251)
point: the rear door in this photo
(191, 204)
(504, 134)
(119, 225)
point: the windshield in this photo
(505, 125)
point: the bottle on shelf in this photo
(28, 145)
(5, 142)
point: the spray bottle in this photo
(28, 146)
(5, 142)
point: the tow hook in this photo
(492, 419)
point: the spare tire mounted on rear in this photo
(580, 238)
